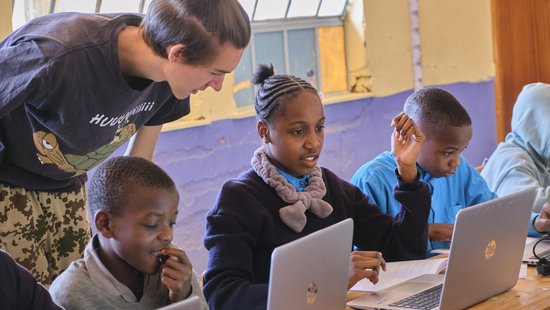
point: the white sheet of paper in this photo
(523, 271)
(398, 272)
(441, 251)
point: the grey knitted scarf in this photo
(293, 215)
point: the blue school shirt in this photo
(465, 188)
(298, 183)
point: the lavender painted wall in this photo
(201, 158)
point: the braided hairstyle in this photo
(275, 89)
(434, 109)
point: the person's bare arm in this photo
(407, 140)
(143, 143)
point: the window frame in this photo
(289, 24)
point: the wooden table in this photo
(533, 292)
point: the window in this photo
(25, 10)
(299, 37)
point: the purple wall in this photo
(200, 159)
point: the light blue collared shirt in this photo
(299, 183)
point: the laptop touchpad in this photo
(411, 287)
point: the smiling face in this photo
(295, 134)
(185, 79)
(145, 226)
(440, 155)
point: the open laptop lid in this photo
(484, 259)
(487, 249)
(312, 272)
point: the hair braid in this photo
(275, 89)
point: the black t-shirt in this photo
(64, 104)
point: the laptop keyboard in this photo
(427, 299)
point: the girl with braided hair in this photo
(287, 195)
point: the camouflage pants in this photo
(43, 231)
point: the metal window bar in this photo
(319, 8)
(52, 6)
(254, 11)
(285, 52)
(141, 5)
(287, 8)
(97, 5)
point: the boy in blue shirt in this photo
(454, 183)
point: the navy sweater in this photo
(19, 290)
(244, 227)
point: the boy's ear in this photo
(263, 131)
(103, 223)
(175, 52)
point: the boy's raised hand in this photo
(407, 140)
(365, 264)
(176, 275)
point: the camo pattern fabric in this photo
(43, 231)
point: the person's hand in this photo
(365, 264)
(542, 222)
(176, 274)
(407, 140)
(440, 232)
(480, 167)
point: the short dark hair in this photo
(434, 108)
(275, 89)
(202, 25)
(118, 177)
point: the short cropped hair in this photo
(118, 177)
(202, 25)
(275, 89)
(434, 108)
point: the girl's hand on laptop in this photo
(407, 140)
(365, 264)
(176, 274)
(440, 232)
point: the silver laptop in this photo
(191, 303)
(542, 250)
(312, 272)
(485, 258)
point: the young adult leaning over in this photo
(287, 195)
(74, 87)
